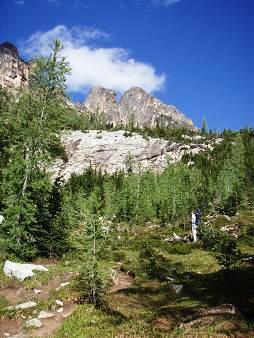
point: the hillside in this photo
(105, 203)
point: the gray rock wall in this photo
(113, 151)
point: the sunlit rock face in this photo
(119, 150)
(13, 70)
(135, 106)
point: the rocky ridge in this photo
(119, 150)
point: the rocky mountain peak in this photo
(13, 70)
(9, 49)
(102, 100)
(135, 105)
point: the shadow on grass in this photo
(201, 292)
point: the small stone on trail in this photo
(35, 322)
(26, 305)
(177, 288)
(37, 291)
(45, 314)
(59, 302)
(60, 310)
(6, 334)
(19, 335)
(64, 284)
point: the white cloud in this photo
(91, 65)
(165, 3)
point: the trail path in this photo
(17, 295)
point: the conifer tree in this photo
(35, 120)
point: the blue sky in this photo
(195, 54)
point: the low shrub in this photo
(179, 248)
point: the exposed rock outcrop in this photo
(135, 106)
(114, 151)
(13, 70)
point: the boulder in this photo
(21, 271)
(177, 288)
(23, 306)
(45, 315)
(59, 302)
(35, 323)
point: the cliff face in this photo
(118, 150)
(135, 106)
(13, 70)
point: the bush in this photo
(90, 285)
(226, 252)
(119, 256)
(154, 264)
(179, 248)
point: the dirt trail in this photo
(121, 281)
(51, 325)
(16, 295)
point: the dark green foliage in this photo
(90, 285)
(153, 263)
(179, 248)
(222, 245)
(31, 137)
(226, 252)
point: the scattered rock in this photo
(59, 302)
(1, 219)
(176, 238)
(227, 217)
(60, 310)
(21, 271)
(37, 291)
(26, 305)
(64, 284)
(231, 229)
(45, 314)
(222, 309)
(35, 322)
(177, 288)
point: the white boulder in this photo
(26, 305)
(177, 288)
(21, 271)
(45, 315)
(59, 302)
(35, 322)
